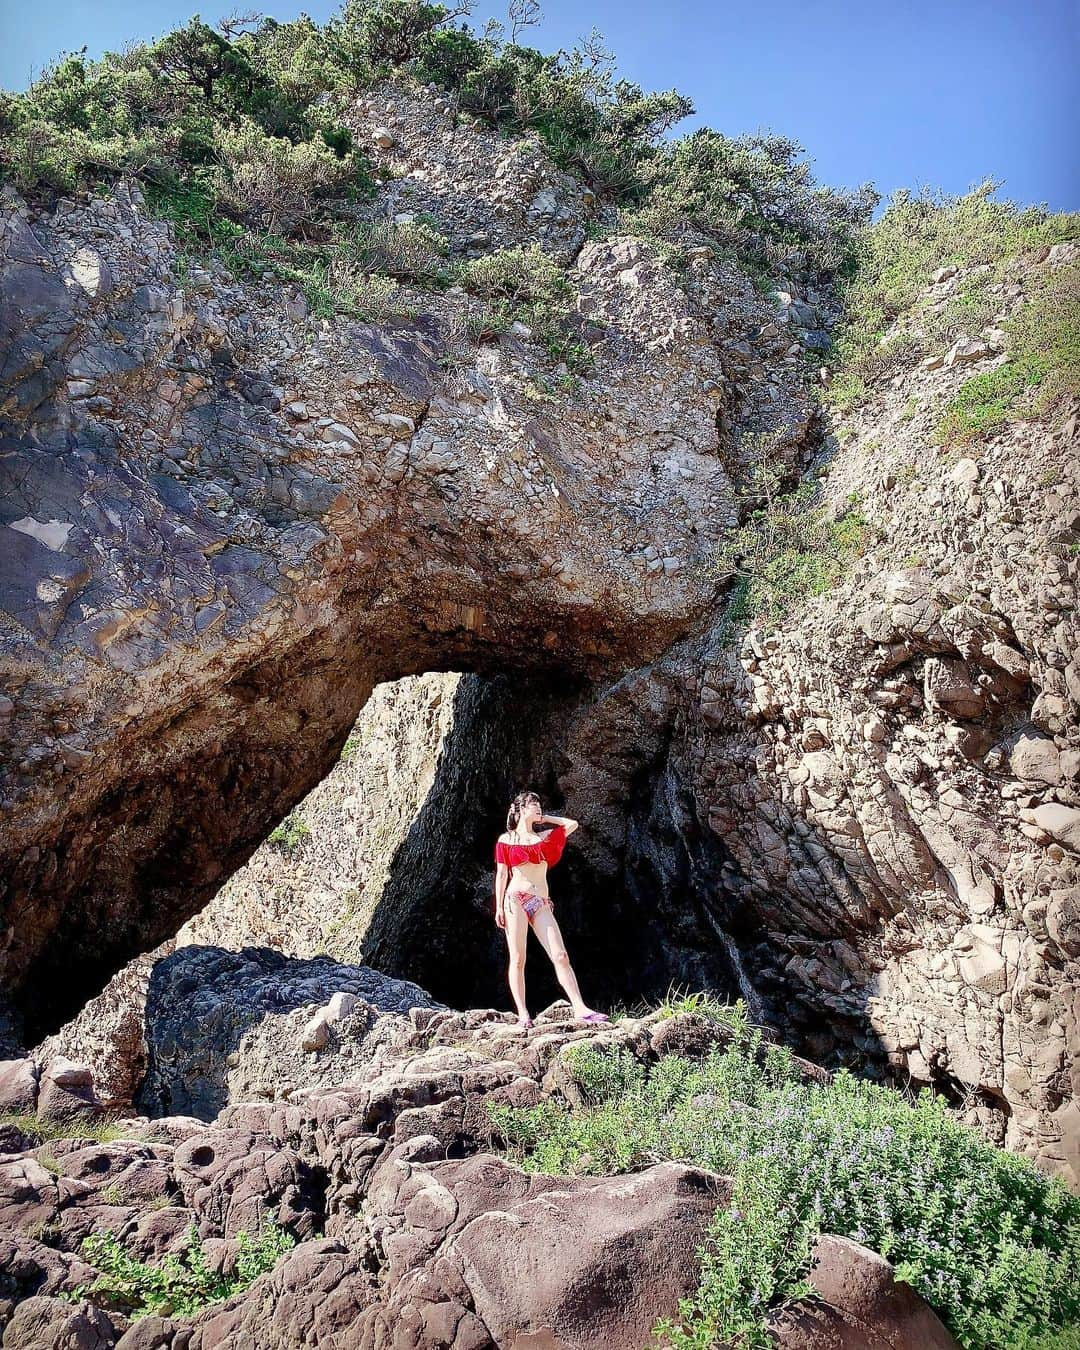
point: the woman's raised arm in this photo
(568, 823)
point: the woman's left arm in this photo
(568, 822)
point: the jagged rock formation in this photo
(223, 563)
(411, 1231)
(224, 524)
(225, 1025)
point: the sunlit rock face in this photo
(224, 524)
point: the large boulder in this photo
(222, 1024)
(861, 1306)
(479, 1249)
(60, 1325)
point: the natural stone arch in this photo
(206, 572)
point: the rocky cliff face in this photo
(225, 523)
(223, 526)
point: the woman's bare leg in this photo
(517, 936)
(547, 930)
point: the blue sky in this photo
(943, 93)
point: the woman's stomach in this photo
(530, 877)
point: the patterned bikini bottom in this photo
(530, 902)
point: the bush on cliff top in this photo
(251, 118)
(986, 1238)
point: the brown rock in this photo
(18, 1086)
(67, 1090)
(233, 1178)
(866, 1307)
(948, 687)
(39, 1322)
(28, 1193)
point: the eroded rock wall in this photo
(224, 522)
(894, 771)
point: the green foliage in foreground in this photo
(181, 1284)
(41, 1128)
(990, 1241)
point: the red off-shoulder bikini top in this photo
(548, 849)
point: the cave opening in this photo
(631, 916)
(387, 858)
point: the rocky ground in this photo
(383, 1163)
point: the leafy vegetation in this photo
(790, 548)
(1043, 366)
(891, 314)
(991, 1242)
(181, 1284)
(755, 198)
(290, 834)
(237, 135)
(525, 285)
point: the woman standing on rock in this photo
(523, 857)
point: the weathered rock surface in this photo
(859, 1306)
(410, 1230)
(223, 524)
(222, 1025)
(224, 583)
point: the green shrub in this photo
(527, 285)
(265, 180)
(180, 1285)
(991, 1242)
(522, 274)
(788, 550)
(756, 198)
(290, 834)
(893, 263)
(243, 111)
(415, 250)
(1043, 369)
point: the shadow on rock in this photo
(222, 1023)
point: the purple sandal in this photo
(593, 1017)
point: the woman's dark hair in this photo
(514, 814)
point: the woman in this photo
(523, 857)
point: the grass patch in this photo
(788, 550)
(1043, 369)
(181, 1284)
(526, 285)
(290, 835)
(891, 316)
(100, 1129)
(991, 1242)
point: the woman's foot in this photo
(525, 1023)
(591, 1018)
